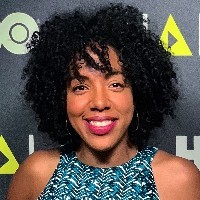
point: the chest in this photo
(76, 181)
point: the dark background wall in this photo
(18, 129)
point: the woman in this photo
(99, 84)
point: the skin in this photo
(102, 96)
(176, 178)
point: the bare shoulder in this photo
(41, 161)
(33, 175)
(175, 177)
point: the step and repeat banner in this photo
(177, 23)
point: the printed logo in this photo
(15, 30)
(192, 154)
(180, 47)
(8, 163)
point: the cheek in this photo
(128, 110)
(125, 104)
(75, 105)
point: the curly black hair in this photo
(146, 64)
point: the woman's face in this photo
(101, 108)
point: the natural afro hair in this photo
(146, 67)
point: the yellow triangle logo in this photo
(12, 165)
(180, 48)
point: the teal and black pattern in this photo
(74, 180)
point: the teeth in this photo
(100, 123)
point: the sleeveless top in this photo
(74, 180)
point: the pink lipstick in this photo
(100, 125)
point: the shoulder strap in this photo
(148, 154)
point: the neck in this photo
(109, 158)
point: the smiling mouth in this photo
(100, 126)
(100, 123)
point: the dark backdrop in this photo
(177, 22)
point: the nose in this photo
(100, 100)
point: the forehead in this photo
(103, 61)
(113, 58)
(87, 73)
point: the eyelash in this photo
(118, 85)
(81, 88)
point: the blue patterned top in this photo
(74, 180)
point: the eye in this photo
(79, 89)
(117, 86)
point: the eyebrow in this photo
(107, 76)
(113, 73)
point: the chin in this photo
(102, 148)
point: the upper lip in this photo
(100, 118)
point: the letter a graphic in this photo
(12, 165)
(180, 48)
